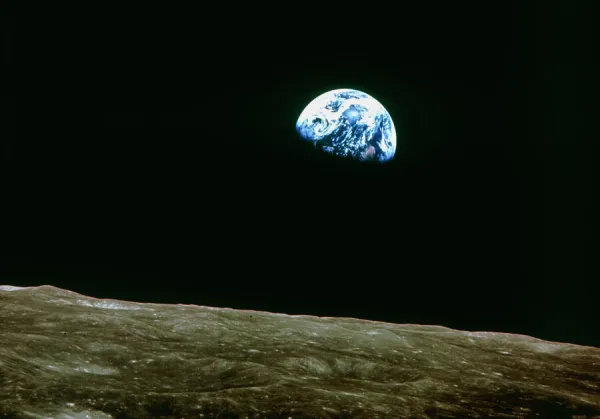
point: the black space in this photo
(152, 156)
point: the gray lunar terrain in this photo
(64, 355)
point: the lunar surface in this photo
(349, 123)
(64, 355)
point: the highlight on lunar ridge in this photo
(349, 123)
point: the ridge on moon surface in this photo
(66, 355)
(349, 123)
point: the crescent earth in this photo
(349, 123)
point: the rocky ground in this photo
(64, 355)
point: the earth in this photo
(349, 123)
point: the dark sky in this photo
(154, 158)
